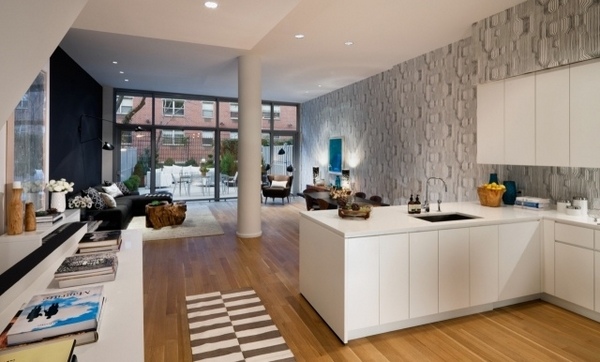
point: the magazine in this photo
(86, 264)
(100, 238)
(52, 351)
(58, 313)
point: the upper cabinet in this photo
(547, 118)
(490, 123)
(552, 117)
(585, 114)
(519, 120)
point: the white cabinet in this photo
(552, 117)
(453, 269)
(490, 123)
(393, 272)
(574, 273)
(548, 256)
(585, 114)
(575, 235)
(423, 273)
(362, 285)
(518, 260)
(483, 260)
(597, 280)
(574, 264)
(519, 120)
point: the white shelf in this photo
(15, 247)
(121, 333)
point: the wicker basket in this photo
(489, 197)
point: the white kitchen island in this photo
(394, 271)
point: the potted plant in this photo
(203, 168)
(140, 171)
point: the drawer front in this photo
(575, 235)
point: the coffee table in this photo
(165, 214)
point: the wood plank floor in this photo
(533, 331)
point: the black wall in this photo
(75, 154)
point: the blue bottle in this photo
(493, 177)
(338, 182)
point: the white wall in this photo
(30, 31)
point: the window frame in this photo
(172, 135)
(173, 109)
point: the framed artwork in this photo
(336, 154)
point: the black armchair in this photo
(279, 186)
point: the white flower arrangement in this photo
(80, 202)
(59, 186)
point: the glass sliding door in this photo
(266, 156)
(188, 145)
(283, 155)
(228, 164)
(136, 157)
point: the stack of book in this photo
(66, 314)
(96, 241)
(42, 217)
(87, 268)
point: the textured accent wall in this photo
(419, 118)
(536, 35)
(412, 122)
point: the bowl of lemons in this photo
(490, 194)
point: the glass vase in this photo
(510, 195)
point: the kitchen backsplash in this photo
(418, 119)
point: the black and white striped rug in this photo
(233, 326)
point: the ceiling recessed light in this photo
(211, 4)
(115, 62)
(127, 80)
(121, 72)
(299, 36)
(349, 43)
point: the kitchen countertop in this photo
(395, 219)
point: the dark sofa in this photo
(127, 207)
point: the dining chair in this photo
(323, 204)
(311, 202)
(376, 199)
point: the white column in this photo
(250, 113)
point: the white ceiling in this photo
(182, 47)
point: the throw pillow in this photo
(124, 189)
(113, 190)
(108, 200)
(97, 201)
(281, 184)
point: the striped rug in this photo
(233, 326)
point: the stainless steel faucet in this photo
(425, 205)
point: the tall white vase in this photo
(58, 201)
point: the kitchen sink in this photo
(454, 216)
